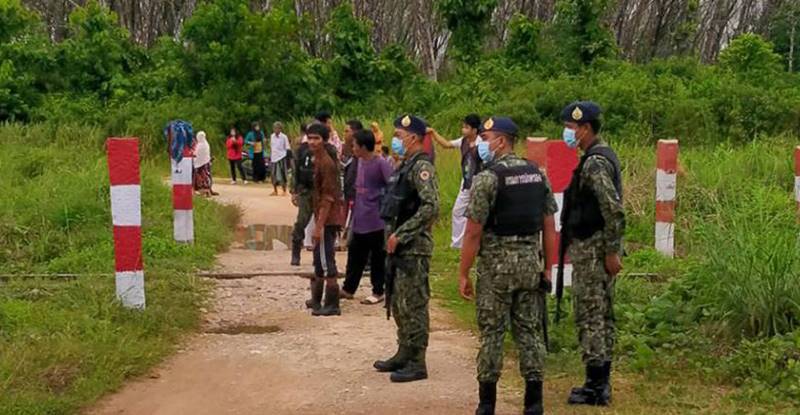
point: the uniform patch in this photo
(488, 124)
(424, 175)
(406, 121)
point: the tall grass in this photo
(63, 344)
(735, 280)
(745, 232)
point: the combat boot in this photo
(579, 389)
(533, 398)
(394, 363)
(606, 391)
(296, 248)
(592, 392)
(487, 392)
(415, 369)
(317, 285)
(331, 307)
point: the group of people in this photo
(503, 216)
(258, 150)
(254, 147)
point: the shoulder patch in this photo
(424, 175)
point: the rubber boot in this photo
(579, 389)
(296, 248)
(605, 395)
(415, 369)
(394, 363)
(533, 398)
(315, 303)
(331, 307)
(487, 392)
(591, 394)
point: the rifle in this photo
(562, 251)
(389, 290)
(546, 287)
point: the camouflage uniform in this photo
(412, 260)
(508, 290)
(592, 287)
(304, 212)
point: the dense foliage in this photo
(232, 65)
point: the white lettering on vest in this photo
(523, 179)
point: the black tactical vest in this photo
(305, 167)
(402, 201)
(470, 163)
(520, 201)
(581, 215)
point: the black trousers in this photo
(366, 247)
(236, 164)
(325, 254)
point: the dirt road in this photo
(261, 352)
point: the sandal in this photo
(372, 299)
(344, 294)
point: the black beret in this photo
(412, 124)
(500, 124)
(581, 111)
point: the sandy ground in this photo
(278, 359)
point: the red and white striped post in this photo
(797, 179)
(666, 181)
(126, 215)
(183, 228)
(558, 161)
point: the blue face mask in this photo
(569, 138)
(397, 146)
(484, 152)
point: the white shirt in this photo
(279, 144)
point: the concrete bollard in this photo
(126, 215)
(666, 181)
(183, 228)
(797, 179)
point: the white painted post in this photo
(182, 200)
(126, 215)
(666, 181)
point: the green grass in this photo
(701, 336)
(65, 343)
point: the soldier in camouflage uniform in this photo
(301, 186)
(409, 209)
(509, 215)
(594, 222)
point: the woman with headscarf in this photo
(376, 131)
(202, 166)
(257, 148)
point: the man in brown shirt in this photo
(329, 211)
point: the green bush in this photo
(523, 41)
(768, 369)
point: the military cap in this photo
(412, 124)
(581, 111)
(503, 125)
